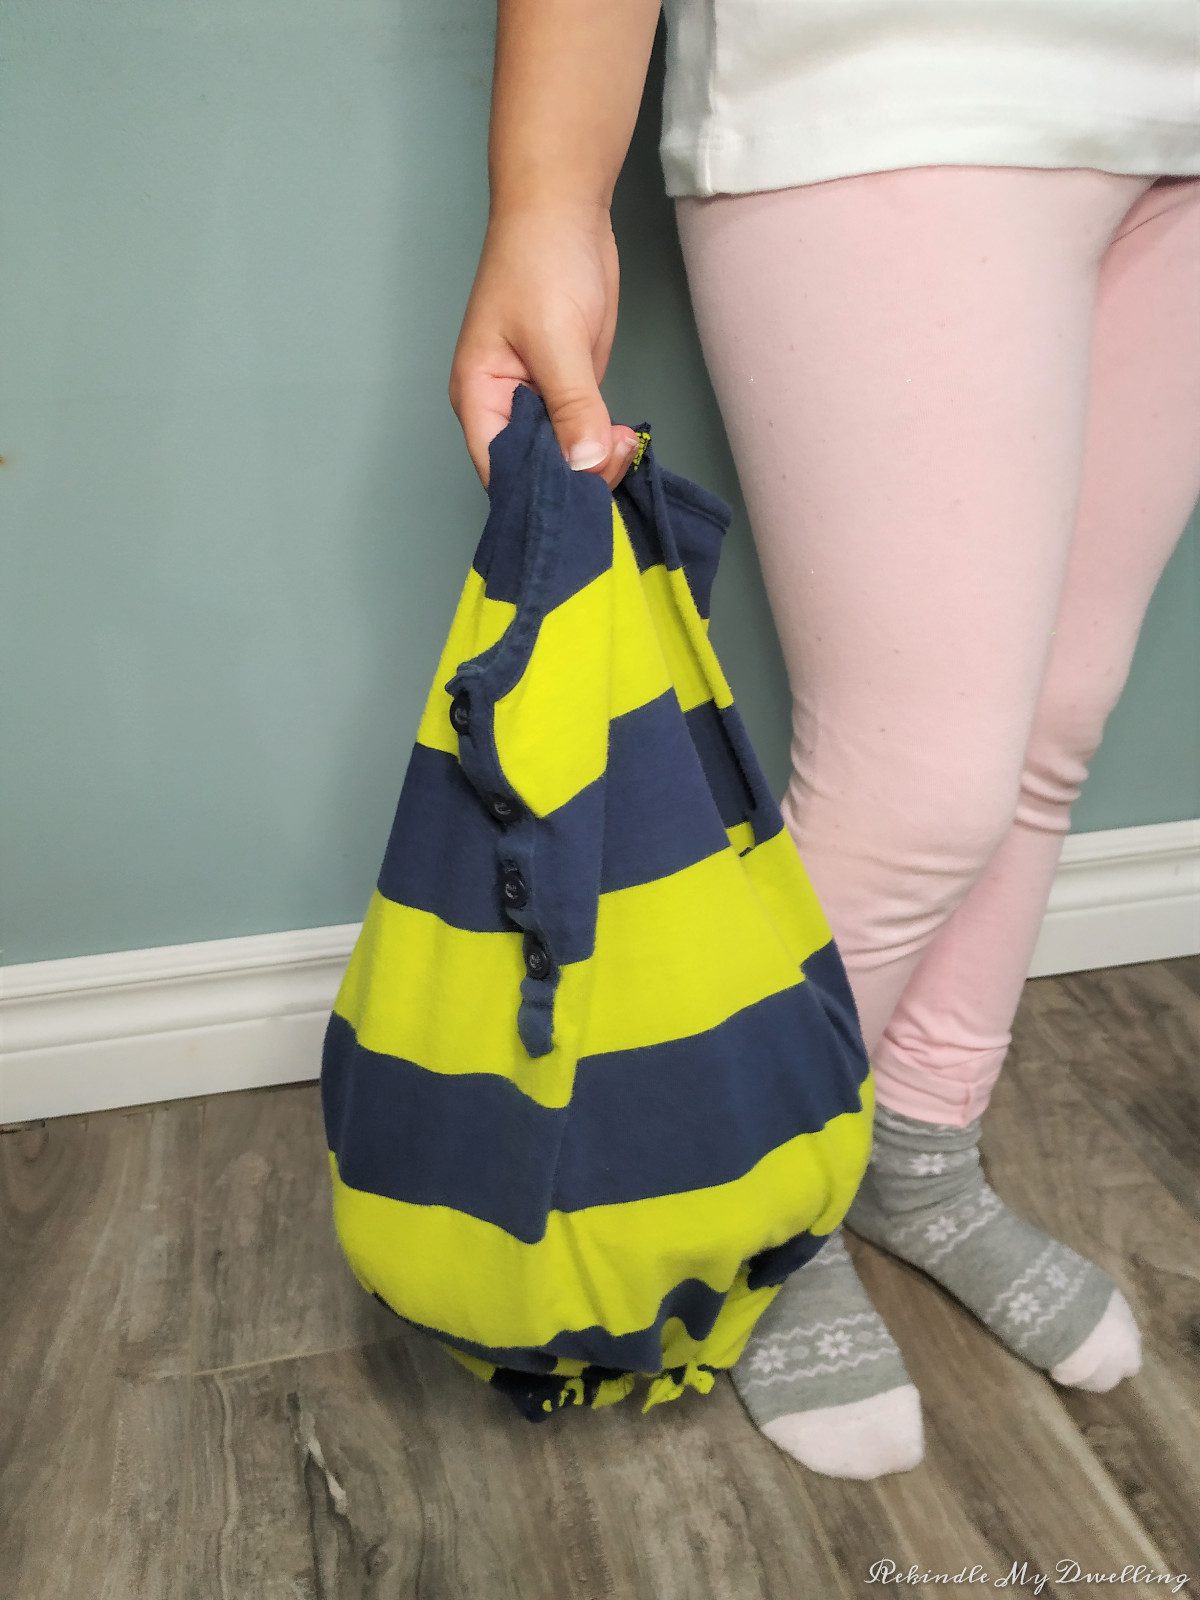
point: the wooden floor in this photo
(198, 1403)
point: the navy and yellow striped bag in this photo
(593, 1083)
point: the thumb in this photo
(567, 383)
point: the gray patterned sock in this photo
(821, 1376)
(925, 1199)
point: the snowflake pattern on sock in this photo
(818, 1349)
(1042, 1292)
(931, 1239)
(928, 1164)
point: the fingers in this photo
(561, 366)
(624, 443)
(483, 401)
(482, 405)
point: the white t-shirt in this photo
(763, 94)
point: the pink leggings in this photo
(964, 407)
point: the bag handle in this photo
(762, 809)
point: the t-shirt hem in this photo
(781, 157)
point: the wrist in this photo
(575, 206)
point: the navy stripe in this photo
(825, 969)
(699, 521)
(766, 815)
(729, 788)
(428, 1138)
(457, 1140)
(772, 1266)
(582, 534)
(583, 554)
(661, 806)
(667, 797)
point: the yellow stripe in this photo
(478, 622)
(639, 666)
(451, 1271)
(679, 955)
(779, 879)
(481, 1369)
(684, 671)
(674, 957)
(741, 835)
(691, 659)
(447, 1000)
(677, 636)
(552, 727)
(697, 630)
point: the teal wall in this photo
(237, 240)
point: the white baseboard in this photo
(1124, 895)
(139, 1026)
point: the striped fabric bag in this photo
(593, 1084)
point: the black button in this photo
(514, 888)
(537, 957)
(501, 807)
(460, 713)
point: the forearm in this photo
(567, 84)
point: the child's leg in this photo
(903, 361)
(925, 1197)
(944, 1042)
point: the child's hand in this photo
(543, 311)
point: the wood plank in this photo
(688, 1499)
(121, 1520)
(1130, 1036)
(384, 1471)
(1186, 969)
(911, 1518)
(271, 1279)
(96, 1259)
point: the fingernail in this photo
(587, 453)
(625, 447)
